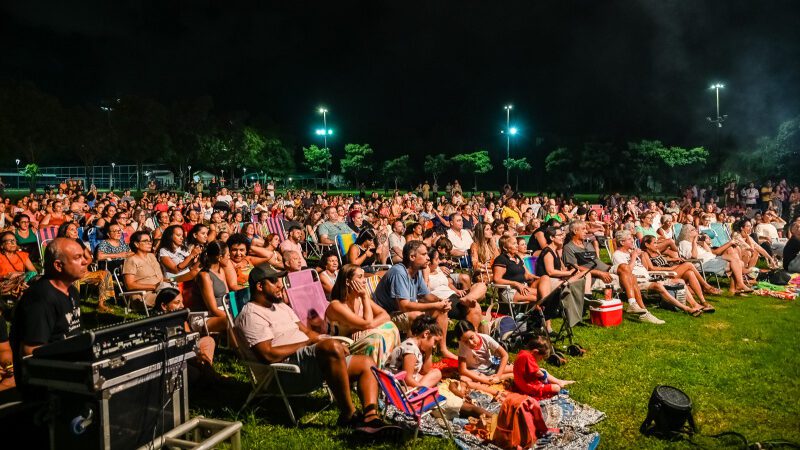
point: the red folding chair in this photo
(415, 403)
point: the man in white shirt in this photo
(292, 243)
(460, 237)
(397, 241)
(274, 333)
(224, 196)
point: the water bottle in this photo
(609, 292)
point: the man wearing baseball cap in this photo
(274, 333)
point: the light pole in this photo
(189, 168)
(508, 133)
(245, 176)
(17, 173)
(717, 122)
(324, 113)
(111, 178)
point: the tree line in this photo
(37, 127)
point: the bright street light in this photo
(512, 131)
(111, 179)
(719, 119)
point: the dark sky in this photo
(429, 76)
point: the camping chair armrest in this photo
(284, 367)
(662, 273)
(416, 396)
(694, 260)
(381, 266)
(344, 340)
(500, 286)
(142, 292)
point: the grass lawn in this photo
(740, 366)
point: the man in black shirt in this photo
(49, 311)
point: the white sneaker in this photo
(633, 308)
(650, 318)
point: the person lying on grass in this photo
(414, 354)
(529, 379)
(481, 358)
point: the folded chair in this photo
(264, 376)
(415, 403)
(307, 299)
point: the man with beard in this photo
(274, 333)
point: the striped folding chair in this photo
(343, 244)
(372, 284)
(275, 225)
(415, 403)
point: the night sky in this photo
(433, 76)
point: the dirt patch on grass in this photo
(717, 325)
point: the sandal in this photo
(708, 309)
(697, 312)
(712, 291)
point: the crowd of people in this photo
(436, 257)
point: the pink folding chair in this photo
(307, 299)
(415, 403)
(275, 225)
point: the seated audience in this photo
(628, 253)
(328, 272)
(414, 356)
(402, 293)
(480, 358)
(726, 258)
(141, 271)
(354, 314)
(274, 333)
(508, 269)
(531, 380)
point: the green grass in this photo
(740, 366)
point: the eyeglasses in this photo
(115, 231)
(145, 241)
(6, 241)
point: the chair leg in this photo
(285, 400)
(446, 422)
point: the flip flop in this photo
(697, 312)
(713, 291)
(708, 309)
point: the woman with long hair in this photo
(56, 217)
(694, 245)
(176, 260)
(211, 285)
(654, 261)
(353, 313)
(483, 251)
(141, 271)
(749, 249)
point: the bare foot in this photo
(566, 382)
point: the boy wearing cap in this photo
(274, 333)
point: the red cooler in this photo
(607, 315)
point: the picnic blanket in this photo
(572, 418)
(788, 292)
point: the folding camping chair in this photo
(264, 376)
(43, 237)
(307, 299)
(718, 234)
(275, 226)
(315, 249)
(415, 403)
(501, 294)
(121, 291)
(343, 244)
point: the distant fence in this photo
(123, 176)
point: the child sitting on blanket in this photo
(529, 379)
(414, 354)
(480, 357)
